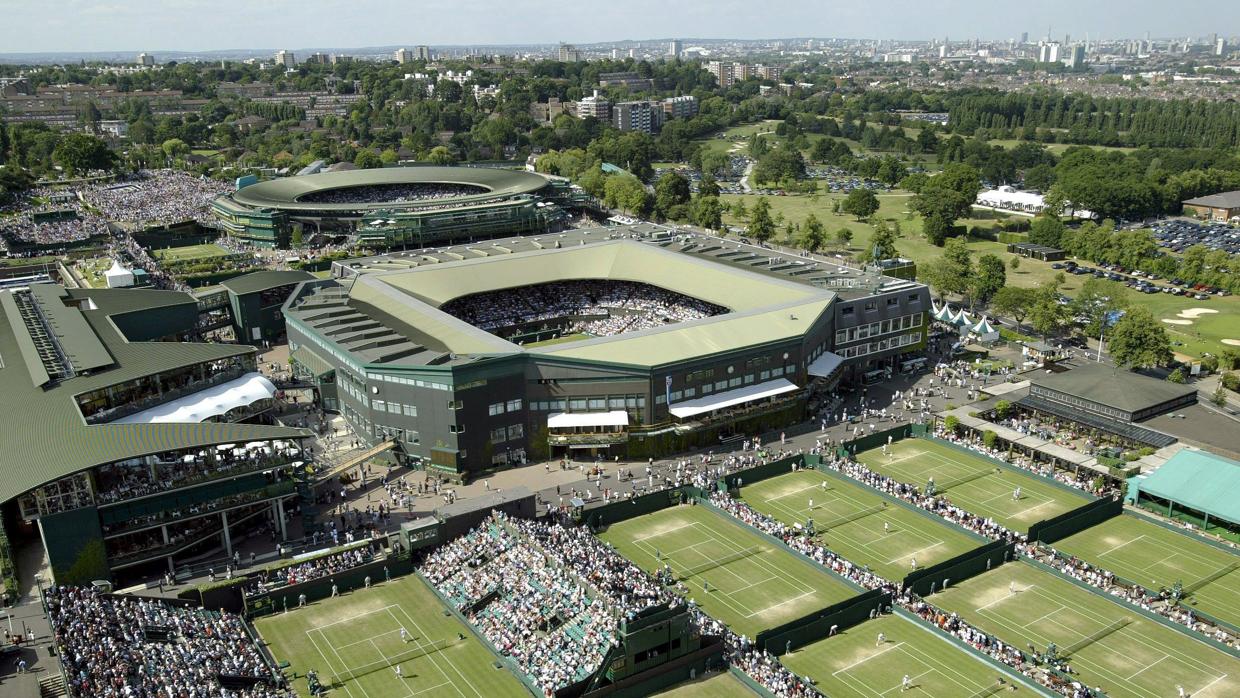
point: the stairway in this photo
(52, 686)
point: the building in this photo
(568, 53)
(681, 107)
(768, 72)
(1220, 46)
(631, 80)
(146, 60)
(1215, 207)
(403, 55)
(286, 58)
(130, 448)
(1048, 52)
(674, 48)
(640, 116)
(255, 302)
(1194, 485)
(595, 105)
(545, 112)
(1076, 56)
(423, 53)
(393, 346)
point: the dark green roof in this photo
(264, 280)
(1114, 387)
(43, 434)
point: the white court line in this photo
(1112, 549)
(360, 615)
(915, 553)
(1203, 688)
(1003, 598)
(664, 533)
(414, 693)
(1057, 610)
(388, 660)
(867, 658)
(328, 662)
(1147, 666)
(781, 603)
(435, 661)
(912, 680)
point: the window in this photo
(659, 399)
(410, 410)
(630, 401)
(394, 407)
(893, 301)
(914, 298)
(499, 435)
(455, 404)
(841, 337)
(735, 382)
(764, 375)
(516, 431)
(847, 311)
(577, 404)
(597, 403)
(456, 428)
(690, 392)
(615, 403)
(379, 405)
(871, 306)
(514, 405)
(676, 395)
(495, 409)
(721, 385)
(748, 378)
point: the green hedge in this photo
(1013, 238)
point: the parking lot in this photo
(1142, 282)
(1177, 235)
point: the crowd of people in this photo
(595, 307)
(128, 647)
(139, 478)
(392, 193)
(314, 568)
(155, 197)
(62, 219)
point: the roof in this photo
(285, 193)
(1198, 480)
(728, 398)
(264, 280)
(1112, 386)
(1227, 199)
(44, 435)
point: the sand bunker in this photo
(1232, 342)
(1177, 322)
(1194, 313)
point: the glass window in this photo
(690, 392)
(514, 405)
(516, 431)
(598, 403)
(615, 403)
(379, 405)
(499, 435)
(495, 408)
(577, 404)
(411, 410)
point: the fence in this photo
(821, 623)
(761, 472)
(1079, 519)
(321, 588)
(937, 577)
(864, 443)
(625, 509)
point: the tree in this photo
(708, 186)
(882, 242)
(626, 193)
(1040, 177)
(1096, 302)
(175, 148)
(1046, 230)
(671, 194)
(1176, 376)
(1013, 302)
(1014, 264)
(761, 226)
(945, 198)
(1140, 341)
(707, 212)
(989, 277)
(860, 202)
(79, 152)
(1046, 313)
(1219, 396)
(951, 273)
(813, 235)
(440, 155)
(367, 159)
(843, 237)
(779, 164)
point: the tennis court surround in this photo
(857, 523)
(974, 483)
(754, 582)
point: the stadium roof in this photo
(43, 436)
(1198, 480)
(264, 280)
(1112, 386)
(285, 193)
(763, 308)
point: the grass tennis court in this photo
(754, 583)
(353, 642)
(723, 685)
(176, 254)
(974, 483)
(1153, 556)
(853, 664)
(857, 523)
(1108, 645)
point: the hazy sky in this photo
(114, 25)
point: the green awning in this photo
(312, 362)
(1198, 480)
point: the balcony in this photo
(591, 439)
(121, 411)
(132, 493)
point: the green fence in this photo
(625, 509)
(761, 472)
(864, 443)
(820, 624)
(1077, 520)
(321, 588)
(937, 577)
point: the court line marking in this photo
(867, 658)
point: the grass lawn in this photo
(358, 635)
(1107, 645)
(91, 271)
(754, 584)
(974, 483)
(858, 524)
(1153, 556)
(723, 685)
(742, 132)
(175, 254)
(853, 664)
(24, 261)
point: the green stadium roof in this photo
(264, 280)
(284, 194)
(1115, 387)
(1198, 480)
(43, 436)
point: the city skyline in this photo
(90, 26)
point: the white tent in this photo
(985, 331)
(205, 404)
(944, 314)
(118, 276)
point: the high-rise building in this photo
(595, 105)
(943, 51)
(423, 53)
(674, 48)
(1024, 37)
(682, 107)
(403, 55)
(286, 58)
(146, 59)
(1048, 52)
(568, 53)
(722, 70)
(632, 53)
(1220, 46)
(641, 116)
(1076, 56)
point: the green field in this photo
(754, 584)
(853, 664)
(1107, 645)
(177, 254)
(723, 685)
(358, 635)
(915, 461)
(1154, 557)
(857, 523)
(91, 270)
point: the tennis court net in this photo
(1087, 641)
(1212, 577)
(989, 690)
(848, 518)
(388, 662)
(719, 562)
(956, 482)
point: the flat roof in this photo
(1112, 386)
(285, 193)
(259, 281)
(44, 435)
(1199, 480)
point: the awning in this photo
(204, 404)
(568, 420)
(312, 362)
(728, 398)
(825, 365)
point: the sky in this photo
(201, 25)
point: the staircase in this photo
(52, 686)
